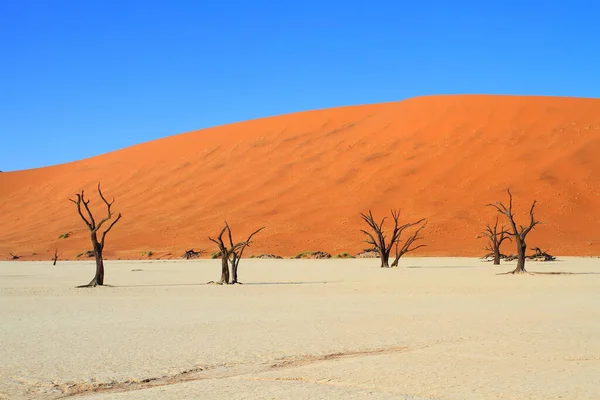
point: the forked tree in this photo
(230, 253)
(407, 246)
(237, 252)
(94, 227)
(378, 239)
(518, 232)
(495, 238)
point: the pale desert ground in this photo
(436, 328)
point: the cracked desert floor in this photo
(435, 328)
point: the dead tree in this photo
(495, 239)
(378, 237)
(519, 233)
(406, 247)
(94, 227)
(224, 256)
(232, 254)
(540, 255)
(237, 251)
(55, 258)
(189, 254)
(14, 257)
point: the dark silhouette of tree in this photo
(232, 253)
(406, 247)
(94, 227)
(495, 238)
(377, 238)
(237, 251)
(519, 233)
(190, 254)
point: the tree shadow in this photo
(548, 273)
(160, 285)
(286, 283)
(442, 267)
(211, 284)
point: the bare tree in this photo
(94, 227)
(495, 239)
(520, 232)
(224, 256)
(232, 254)
(55, 258)
(378, 237)
(189, 254)
(237, 252)
(406, 247)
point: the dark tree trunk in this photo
(521, 249)
(99, 277)
(497, 256)
(224, 269)
(55, 258)
(385, 259)
(234, 269)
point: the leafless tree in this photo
(237, 250)
(14, 257)
(224, 256)
(232, 253)
(189, 254)
(55, 258)
(406, 247)
(94, 227)
(519, 233)
(377, 238)
(495, 238)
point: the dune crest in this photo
(307, 176)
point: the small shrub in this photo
(312, 254)
(65, 235)
(266, 256)
(216, 254)
(303, 254)
(147, 254)
(344, 255)
(88, 254)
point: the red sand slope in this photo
(306, 177)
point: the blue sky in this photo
(80, 78)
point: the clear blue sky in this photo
(84, 77)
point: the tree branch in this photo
(108, 230)
(78, 204)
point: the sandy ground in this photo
(436, 328)
(307, 176)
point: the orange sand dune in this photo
(306, 177)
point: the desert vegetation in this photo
(378, 239)
(495, 237)
(94, 227)
(312, 254)
(231, 253)
(344, 255)
(191, 253)
(519, 233)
